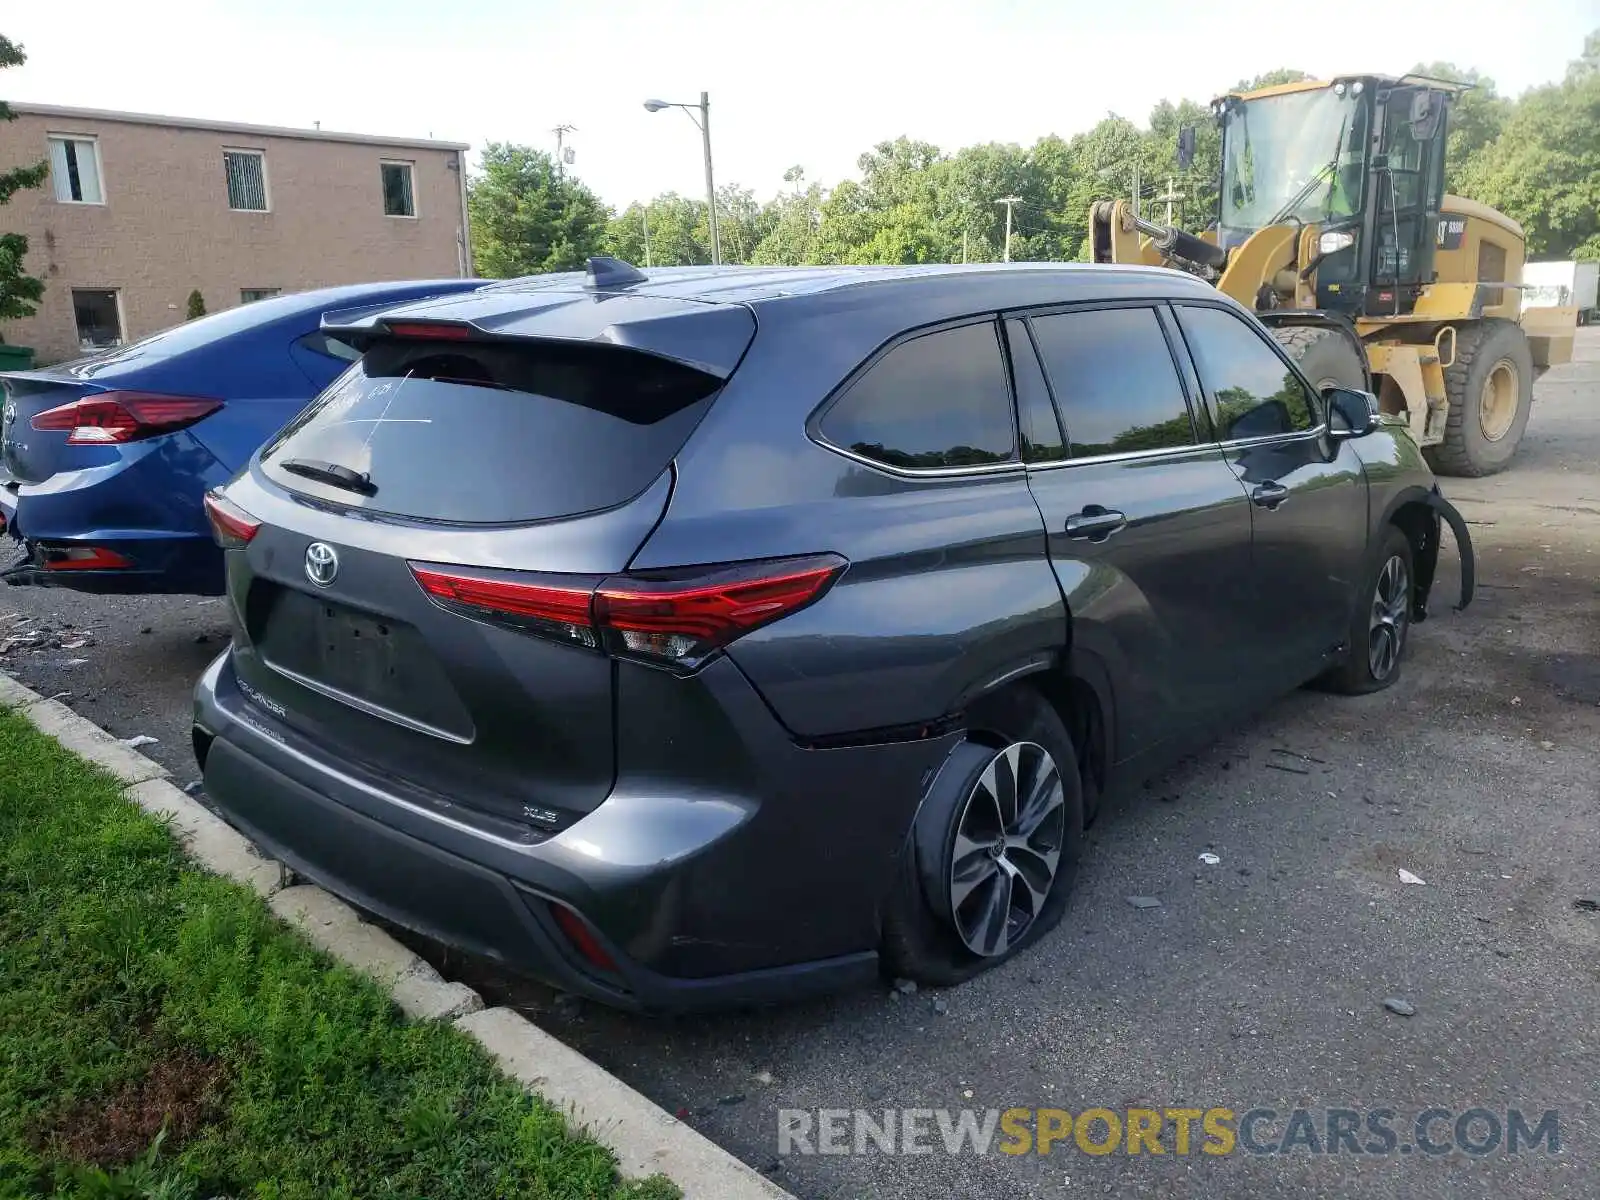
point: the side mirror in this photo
(1186, 147)
(1426, 114)
(1352, 413)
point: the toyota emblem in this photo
(322, 563)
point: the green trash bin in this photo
(15, 358)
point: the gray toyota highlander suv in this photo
(721, 635)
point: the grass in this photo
(163, 1036)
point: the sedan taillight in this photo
(114, 418)
(679, 618)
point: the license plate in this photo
(368, 658)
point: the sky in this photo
(810, 83)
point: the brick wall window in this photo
(75, 169)
(399, 196)
(246, 171)
(98, 312)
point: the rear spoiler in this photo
(710, 338)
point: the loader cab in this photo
(1360, 157)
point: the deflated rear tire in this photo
(994, 851)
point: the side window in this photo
(321, 343)
(1403, 184)
(1114, 381)
(1253, 391)
(939, 400)
(1042, 440)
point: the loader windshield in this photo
(1295, 156)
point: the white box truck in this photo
(1563, 285)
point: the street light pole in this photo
(711, 187)
(704, 122)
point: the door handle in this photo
(1269, 495)
(1094, 523)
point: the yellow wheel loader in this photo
(1334, 226)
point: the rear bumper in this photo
(164, 564)
(702, 900)
(146, 504)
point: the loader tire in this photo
(1490, 388)
(1325, 356)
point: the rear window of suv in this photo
(491, 432)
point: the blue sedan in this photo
(105, 461)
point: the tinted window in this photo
(939, 400)
(1252, 390)
(1114, 381)
(321, 343)
(493, 432)
(1042, 440)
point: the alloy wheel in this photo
(1007, 848)
(1391, 615)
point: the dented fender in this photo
(1458, 526)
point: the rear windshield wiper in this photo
(331, 473)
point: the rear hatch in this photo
(416, 598)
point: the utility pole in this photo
(963, 247)
(1008, 201)
(1169, 198)
(644, 215)
(1137, 190)
(561, 132)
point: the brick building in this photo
(140, 211)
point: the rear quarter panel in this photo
(949, 584)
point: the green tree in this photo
(794, 217)
(1587, 63)
(742, 223)
(1271, 79)
(916, 203)
(527, 217)
(1477, 117)
(679, 233)
(19, 292)
(197, 305)
(1197, 185)
(1544, 168)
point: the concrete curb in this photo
(209, 840)
(645, 1138)
(337, 928)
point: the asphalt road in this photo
(1259, 982)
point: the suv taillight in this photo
(112, 418)
(231, 527)
(679, 618)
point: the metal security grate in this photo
(247, 180)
